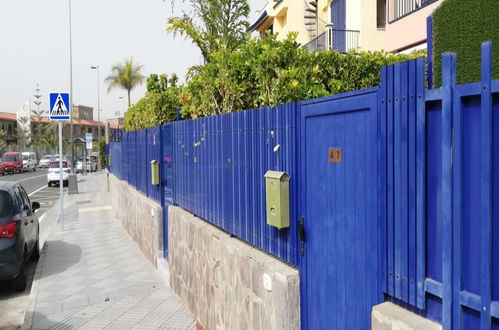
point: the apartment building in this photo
(390, 25)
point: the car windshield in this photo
(56, 164)
(5, 203)
(25, 157)
(9, 158)
(46, 157)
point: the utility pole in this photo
(71, 129)
(98, 107)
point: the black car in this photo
(19, 234)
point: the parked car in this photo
(2, 167)
(45, 161)
(29, 161)
(53, 175)
(81, 167)
(13, 162)
(19, 233)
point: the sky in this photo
(34, 48)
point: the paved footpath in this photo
(92, 275)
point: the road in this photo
(13, 304)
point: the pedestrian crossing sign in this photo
(59, 106)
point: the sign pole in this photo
(61, 182)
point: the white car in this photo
(54, 174)
(29, 161)
(45, 161)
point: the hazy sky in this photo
(34, 48)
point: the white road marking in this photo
(40, 219)
(34, 192)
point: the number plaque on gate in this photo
(334, 155)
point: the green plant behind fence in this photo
(460, 26)
(261, 73)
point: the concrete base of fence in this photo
(388, 316)
(226, 283)
(141, 216)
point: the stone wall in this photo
(226, 283)
(388, 316)
(141, 216)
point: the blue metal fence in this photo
(438, 150)
(220, 163)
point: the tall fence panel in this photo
(402, 114)
(220, 163)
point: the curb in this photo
(30, 310)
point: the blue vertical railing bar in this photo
(420, 183)
(390, 183)
(382, 177)
(429, 46)
(397, 180)
(457, 208)
(411, 178)
(448, 83)
(486, 185)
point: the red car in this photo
(12, 162)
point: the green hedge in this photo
(460, 26)
(260, 73)
(269, 72)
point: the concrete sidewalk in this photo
(93, 276)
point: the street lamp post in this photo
(98, 106)
(98, 99)
(122, 98)
(71, 128)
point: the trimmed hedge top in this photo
(460, 26)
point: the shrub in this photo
(268, 72)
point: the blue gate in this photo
(339, 180)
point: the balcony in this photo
(398, 9)
(335, 39)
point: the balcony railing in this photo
(401, 8)
(336, 39)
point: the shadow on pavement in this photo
(59, 257)
(40, 321)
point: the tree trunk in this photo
(128, 101)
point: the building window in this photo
(381, 14)
(9, 130)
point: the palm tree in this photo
(125, 76)
(223, 24)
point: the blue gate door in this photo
(338, 18)
(340, 262)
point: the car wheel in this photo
(65, 183)
(19, 283)
(35, 255)
(49, 184)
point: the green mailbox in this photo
(154, 172)
(277, 198)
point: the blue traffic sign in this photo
(88, 137)
(59, 106)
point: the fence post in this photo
(486, 185)
(448, 83)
